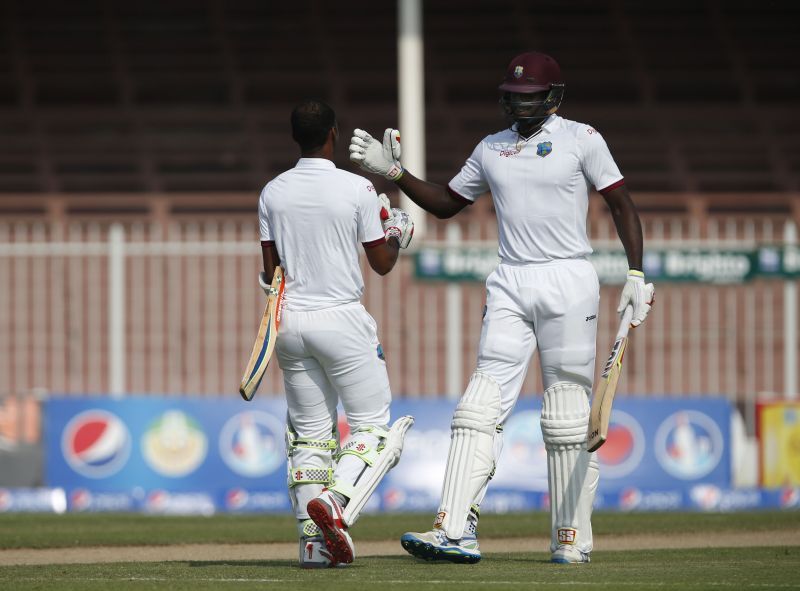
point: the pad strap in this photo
(363, 450)
(301, 475)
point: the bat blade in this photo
(265, 340)
(603, 399)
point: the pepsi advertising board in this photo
(653, 445)
(184, 455)
(167, 455)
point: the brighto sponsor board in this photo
(708, 266)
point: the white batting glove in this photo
(386, 209)
(264, 282)
(399, 225)
(378, 158)
(637, 294)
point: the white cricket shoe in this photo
(326, 513)
(313, 551)
(566, 554)
(434, 545)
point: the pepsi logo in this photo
(624, 449)
(251, 443)
(630, 498)
(157, 500)
(80, 499)
(394, 498)
(96, 444)
(790, 497)
(236, 498)
(706, 496)
(688, 444)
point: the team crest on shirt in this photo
(544, 149)
(518, 72)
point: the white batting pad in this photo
(470, 461)
(384, 460)
(572, 472)
(309, 466)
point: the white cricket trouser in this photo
(552, 306)
(326, 356)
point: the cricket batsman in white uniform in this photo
(544, 294)
(314, 220)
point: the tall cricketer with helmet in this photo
(543, 295)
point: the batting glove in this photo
(637, 294)
(399, 225)
(378, 158)
(386, 209)
(264, 282)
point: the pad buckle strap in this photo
(360, 449)
(309, 475)
(327, 444)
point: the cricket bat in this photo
(604, 394)
(265, 341)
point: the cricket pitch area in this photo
(632, 551)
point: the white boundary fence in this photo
(136, 308)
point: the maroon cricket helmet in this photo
(531, 72)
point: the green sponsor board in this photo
(706, 265)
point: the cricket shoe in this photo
(566, 554)
(313, 551)
(434, 545)
(326, 512)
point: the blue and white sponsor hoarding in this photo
(167, 455)
(183, 455)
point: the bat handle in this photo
(625, 323)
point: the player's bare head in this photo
(313, 122)
(532, 89)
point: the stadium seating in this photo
(99, 97)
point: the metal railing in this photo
(108, 308)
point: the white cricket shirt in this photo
(318, 216)
(540, 188)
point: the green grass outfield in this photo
(771, 567)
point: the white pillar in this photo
(790, 322)
(411, 85)
(116, 310)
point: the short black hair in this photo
(311, 122)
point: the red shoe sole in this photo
(336, 542)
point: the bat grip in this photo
(625, 323)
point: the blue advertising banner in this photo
(178, 455)
(667, 444)
(185, 455)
